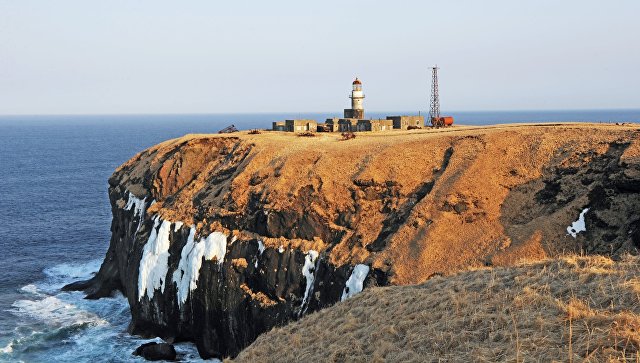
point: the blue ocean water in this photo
(55, 220)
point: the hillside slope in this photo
(218, 238)
(574, 308)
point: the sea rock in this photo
(156, 351)
(218, 239)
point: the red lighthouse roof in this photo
(357, 81)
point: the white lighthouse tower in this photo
(357, 96)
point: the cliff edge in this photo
(219, 238)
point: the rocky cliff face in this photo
(217, 239)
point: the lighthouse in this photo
(357, 110)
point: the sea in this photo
(55, 220)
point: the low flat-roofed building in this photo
(279, 126)
(404, 122)
(301, 125)
(331, 124)
(325, 127)
(374, 125)
(347, 125)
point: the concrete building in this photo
(295, 125)
(279, 126)
(324, 127)
(332, 124)
(347, 125)
(357, 109)
(374, 125)
(403, 122)
(301, 125)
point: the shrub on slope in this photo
(571, 309)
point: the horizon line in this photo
(306, 112)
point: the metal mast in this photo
(434, 110)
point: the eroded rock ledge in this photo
(217, 239)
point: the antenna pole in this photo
(434, 109)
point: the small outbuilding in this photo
(347, 125)
(296, 125)
(279, 126)
(374, 125)
(406, 122)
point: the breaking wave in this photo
(52, 323)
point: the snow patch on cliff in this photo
(308, 271)
(188, 271)
(355, 282)
(579, 225)
(154, 264)
(136, 203)
(138, 206)
(261, 249)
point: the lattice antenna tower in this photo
(434, 109)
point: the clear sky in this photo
(206, 56)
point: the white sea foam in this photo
(308, 271)
(188, 271)
(73, 271)
(7, 349)
(154, 263)
(53, 311)
(60, 275)
(30, 289)
(63, 326)
(579, 225)
(189, 353)
(355, 282)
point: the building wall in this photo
(403, 122)
(357, 98)
(363, 125)
(332, 123)
(279, 126)
(301, 125)
(381, 125)
(347, 125)
(374, 125)
(386, 125)
(353, 113)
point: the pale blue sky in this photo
(205, 56)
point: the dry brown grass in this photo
(571, 309)
(494, 172)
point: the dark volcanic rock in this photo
(156, 351)
(234, 302)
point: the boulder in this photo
(156, 351)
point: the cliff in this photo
(217, 239)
